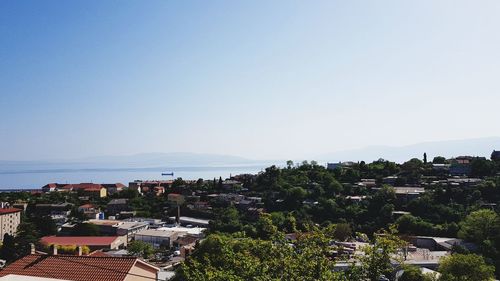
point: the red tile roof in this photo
(86, 206)
(98, 254)
(77, 268)
(84, 186)
(115, 185)
(9, 210)
(78, 240)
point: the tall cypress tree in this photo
(8, 250)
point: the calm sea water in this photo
(36, 178)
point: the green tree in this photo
(45, 225)
(413, 273)
(479, 226)
(439, 160)
(222, 257)
(226, 220)
(8, 250)
(378, 257)
(342, 231)
(140, 249)
(26, 235)
(265, 227)
(481, 167)
(459, 267)
(290, 223)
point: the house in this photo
(175, 198)
(200, 206)
(495, 155)
(81, 268)
(147, 186)
(53, 209)
(113, 188)
(463, 181)
(51, 187)
(185, 240)
(96, 191)
(58, 212)
(116, 206)
(20, 205)
(355, 198)
(441, 243)
(93, 242)
(10, 218)
(460, 166)
(391, 180)
(90, 211)
(368, 183)
(158, 190)
(89, 189)
(408, 193)
(441, 167)
(231, 185)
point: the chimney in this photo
(32, 249)
(79, 250)
(53, 250)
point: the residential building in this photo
(408, 193)
(460, 166)
(58, 212)
(51, 187)
(82, 268)
(20, 205)
(113, 188)
(116, 206)
(10, 218)
(88, 189)
(175, 198)
(200, 206)
(90, 211)
(148, 185)
(368, 183)
(231, 185)
(391, 180)
(495, 155)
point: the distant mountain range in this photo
(143, 161)
(473, 147)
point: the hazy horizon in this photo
(259, 79)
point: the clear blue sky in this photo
(260, 79)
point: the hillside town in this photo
(148, 229)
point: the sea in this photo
(34, 178)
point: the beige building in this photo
(10, 218)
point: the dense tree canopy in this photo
(459, 267)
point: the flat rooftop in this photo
(188, 230)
